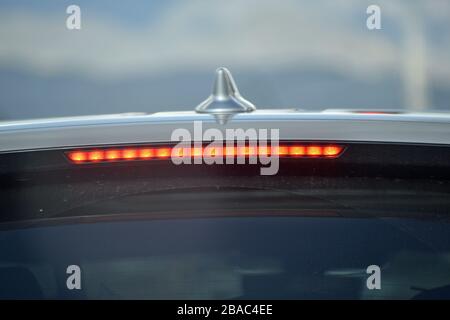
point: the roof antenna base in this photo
(225, 100)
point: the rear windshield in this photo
(229, 258)
(224, 236)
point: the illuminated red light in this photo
(197, 152)
(251, 151)
(129, 154)
(163, 152)
(264, 151)
(184, 152)
(247, 151)
(230, 151)
(145, 153)
(96, 156)
(241, 151)
(78, 156)
(332, 151)
(297, 150)
(280, 151)
(218, 152)
(283, 151)
(213, 152)
(314, 151)
(112, 154)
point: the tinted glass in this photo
(232, 258)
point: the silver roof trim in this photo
(293, 125)
(189, 116)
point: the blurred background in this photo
(149, 56)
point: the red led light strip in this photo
(154, 153)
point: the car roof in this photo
(223, 109)
(427, 128)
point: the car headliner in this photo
(414, 128)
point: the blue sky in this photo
(322, 45)
(151, 36)
(132, 13)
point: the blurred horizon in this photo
(150, 56)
